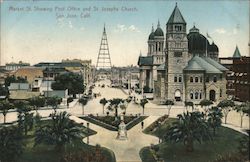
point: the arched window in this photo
(180, 79)
(196, 79)
(175, 78)
(196, 95)
(191, 79)
(191, 95)
(215, 79)
(200, 94)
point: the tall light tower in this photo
(103, 60)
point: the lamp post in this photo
(88, 133)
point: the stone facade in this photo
(190, 71)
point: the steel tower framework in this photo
(103, 60)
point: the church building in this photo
(183, 68)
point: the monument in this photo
(122, 131)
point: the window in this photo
(200, 95)
(201, 79)
(196, 95)
(220, 92)
(177, 28)
(45, 75)
(175, 79)
(207, 79)
(191, 95)
(196, 79)
(51, 75)
(180, 79)
(215, 79)
(191, 79)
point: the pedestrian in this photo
(142, 124)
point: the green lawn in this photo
(225, 142)
(46, 153)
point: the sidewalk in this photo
(125, 150)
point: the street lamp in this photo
(88, 133)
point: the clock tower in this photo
(177, 57)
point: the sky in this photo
(40, 30)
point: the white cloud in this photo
(70, 25)
(122, 28)
(235, 31)
(133, 28)
(82, 28)
(220, 31)
(60, 22)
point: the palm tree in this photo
(127, 101)
(214, 118)
(5, 106)
(59, 132)
(226, 106)
(189, 104)
(103, 101)
(190, 127)
(114, 105)
(143, 103)
(83, 101)
(243, 109)
(206, 105)
(54, 102)
(25, 118)
(169, 104)
(37, 102)
(11, 144)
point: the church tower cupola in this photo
(176, 22)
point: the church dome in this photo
(213, 48)
(197, 42)
(158, 31)
(152, 34)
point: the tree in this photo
(71, 81)
(5, 106)
(190, 127)
(54, 102)
(169, 104)
(103, 101)
(205, 104)
(143, 103)
(11, 144)
(59, 132)
(214, 118)
(114, 105)
(25, 118)
(226, 106)
(125, 103)
(189, 104)
(13, 79)
(3, 91)
(243, 109)
(37, 102)
(83, 101)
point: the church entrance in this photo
(212, 95)
(177, 95)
